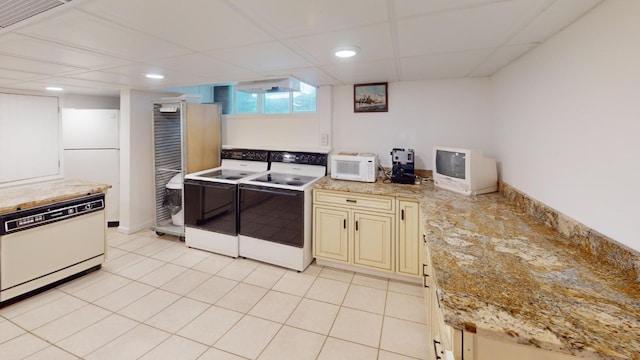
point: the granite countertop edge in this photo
(22, 197)
(503, 274)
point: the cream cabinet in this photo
(408, 242)
(330, 227)
(373, 240)
(374, 232)
(442, 339)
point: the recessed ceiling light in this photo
(346, 51)
(54, 88)
(154, 76)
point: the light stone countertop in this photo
(502, 273)
(32, 195)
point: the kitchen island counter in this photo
(23, 197)
(502, 273)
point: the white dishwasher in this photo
(42, 245)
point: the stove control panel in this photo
(244, 154)
(299, 158)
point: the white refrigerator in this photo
(92, 151)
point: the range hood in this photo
(288, 84)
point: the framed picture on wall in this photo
(371, 97)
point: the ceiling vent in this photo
(14, 11)
(269, 86)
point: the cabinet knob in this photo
(352, 201)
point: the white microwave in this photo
(354, 166)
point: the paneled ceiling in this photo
(100, 46)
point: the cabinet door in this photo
(408, 243)
(487, 348)
(330, 237)
(373, 240)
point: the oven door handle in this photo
(274, 191)
(211, 184)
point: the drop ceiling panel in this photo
(314, 76)
(69, 83)
(374, 41)
(133, 75)
(414, 8)
(75, 28)
(553, 19)
(353, 73)
(203, 65)
(262, 57)
(51, 52)
(71, 87)
(471, 28)
(295, 18)
(197, 24)
(18, 63)
(19, 75)
(100, 77)
(108, 44)
(441, 66)
(6, 82)
(499, 58)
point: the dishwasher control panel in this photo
(24, 219)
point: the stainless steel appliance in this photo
(275, 210)
(211, 197)
(402, 170)
(45, 244)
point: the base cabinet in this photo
(330, 226)
(368, 231)
(373, 240)
(408, 242)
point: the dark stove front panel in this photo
(211, 206)
(272, 214)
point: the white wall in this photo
(567, 121)
(301, 132)
(421, 114)
(90, 102)
(137, 200)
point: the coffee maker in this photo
(402, 166)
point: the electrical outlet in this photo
(324, 139)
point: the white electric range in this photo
(276, 209)
(211, 200)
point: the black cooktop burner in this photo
(285, 179)
(227, 174)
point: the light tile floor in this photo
(154, 298)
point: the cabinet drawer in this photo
(355, 201)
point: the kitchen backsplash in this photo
(580, 235)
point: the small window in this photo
(246, 103)
(277, 103)
(305, 99)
